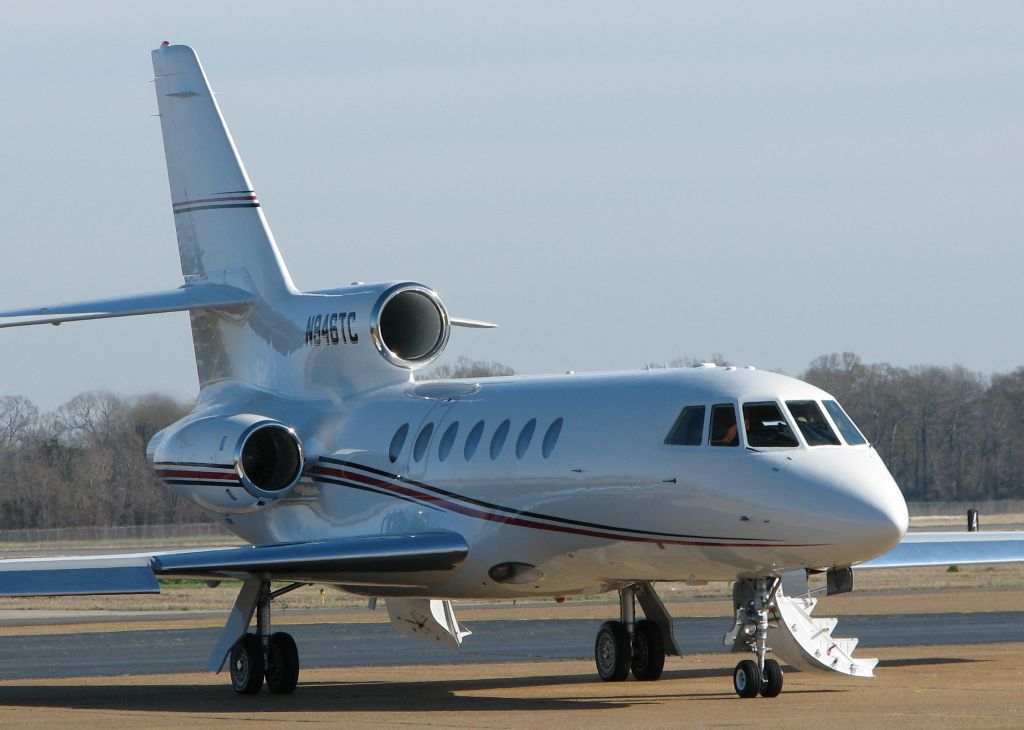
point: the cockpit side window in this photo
(812, 424)
(723, 426)
(767, 427)
(689, 427)
(843, 422)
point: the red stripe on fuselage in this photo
(439, 501)
(213, 200)
(189, 474)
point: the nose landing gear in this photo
(753, 599)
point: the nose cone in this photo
(862, 511)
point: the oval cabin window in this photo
(473, 440)
(397, 442)
(498, 439)
(551, 438)
(525, 437)
(447, 440)
(422, 441)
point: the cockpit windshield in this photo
(844, 423)
(812, 424)
(767, 427)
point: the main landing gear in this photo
(264, 655)
(752, 599)
(628, 645)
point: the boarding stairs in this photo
(806, 642)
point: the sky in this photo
(614, 184)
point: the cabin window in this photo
(723, 426)
(397, 442)
(844, 423)
(551, 438)
(812, 423)
(498, 439)
(767, 427)
(422, 441)
(689, 427)
(447, 441)
(473, 440)
(525, 436)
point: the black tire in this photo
(247, 665)
(772, 685)
(282, 664)
(746, 679)
(612, 652)
(648, 651)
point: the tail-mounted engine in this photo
(234, 463)
(409, 325)
(370, 335)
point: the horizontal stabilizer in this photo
(921, 549)
(185, 298)
(474, 323)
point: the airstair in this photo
(806, 643)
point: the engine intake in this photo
(409, 326)
(234, 463)
(269, 457)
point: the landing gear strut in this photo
(753, 599)
(265, 655)
(630, 645)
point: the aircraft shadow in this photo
(926, 661)
(425, 696)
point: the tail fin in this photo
(217, 216)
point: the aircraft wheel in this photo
(282, 664)
(648, 651)
(247, 665)
(746, 678)
(772, 679)
(612, 652)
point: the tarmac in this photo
(938, 686)
(941, 685)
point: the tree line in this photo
(946, 433)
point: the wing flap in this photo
(185, 298)
(324, 560)
(922, 549)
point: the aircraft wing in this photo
(203, 295)
(921, 549)
(367, 560)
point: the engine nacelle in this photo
(225, 464)
(409, 325)
(364, 336)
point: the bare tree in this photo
(466, 368)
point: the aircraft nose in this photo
(883, 515)
(866, 513)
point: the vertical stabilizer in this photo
(217, 215)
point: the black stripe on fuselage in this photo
(534, 515)
(202, 482)
(368, 488)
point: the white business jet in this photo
(312, 441)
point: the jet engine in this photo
(237, 463)
(409, 325)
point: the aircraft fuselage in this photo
(565, 484)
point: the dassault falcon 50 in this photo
(313, 441)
